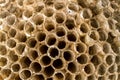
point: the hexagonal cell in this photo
(41, 36)
(69, 76)
(59, 76)
(28, 27)
(38, 77)
(70, 23)
(43, 48)
(109, 59)
(60, 31)
(89, 68)
(48, 71)
(21, 36)
(3, 36)
(79, 77)
(10, 19)
(20, 47)
(94, 23)
(106, 47)
(101, 69)
(58, 64)
(6, 73)
(84, 28)
(112, 68)
(101, 78)
(31, 42)
(3, 49)
(20, 25)
(48, 11)
(82, 59)
(59, 5)
(12, 32)
(68, 55)
(93, 49)
(60, 17)
(96, 60)
(25, 62)
(38, 19)
(45, 60)
(49, 24)
(71, 36)
(102, 35)
(36, 67)
(51, 40)
(112, 77)
(11, 43)
(87, 14)
(61, 44)
(12, 56)
(33, 54)
(28, 13)
(91, 77)
(15, 67)
(54, 52)
(80, 47)
(25, 74)
(73, 6)
(72, 67)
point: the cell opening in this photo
(102, 35)
(2, 36)
(12, 32)
(117, 59)
(25, 74)
(29, 28)
(91, 77)
(49, 71)
(38, 77)
(82, 59)
(33, 54)
(49, 12)
(43, 49)
(45, 60)
(96, 60)
(87, 14)
(15, 67)
(49, 25)
(78, 77)
(10, 20)
(51, 40)
(41, 36)
(70, 24)
(68, 76)
(58, 63)
(3, 49)
(38, 19)
(68, 55)
(73, 6)
(60, 32)
(12, 56)
(84, 28)
(89, 69)
(18, 77)
(21, 37)
(94, 35)
(54, 52)
(59, 5)
(112, 68)
(6, 73)
(20, 48)
(36, 67)
(61, 44)
(106, 47)
(72, 67)
(25, 62)
(93, 49)
(20, 25)
(80, 47)
(109, 59)
(101, 69)
(60, 17)
(94, 23)
(11, 43)
(31, 42)
(101, 78)
(107, 13)
(20, 2)
(112, 77)
(115, 48)
(3, 61)
(28, 13)
(59, 75)
(71, 37)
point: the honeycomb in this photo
(59, 39)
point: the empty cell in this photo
(59, 76)
(4, 14)
(68, 55)
(112, 77)
(33, 54)
(89, 68)
(29, 2)
(96, 60)
(12, 32)
(20, 2)
(3, 49)
(48, 71)
(61, 44)
(109, 59)
(45, 60)
(36, 67)
(114, 5)
(110, 37)
(94, 23)
(84, 28)
(102, 35)
(38, 77)
(39, 7)
(53, 52)
(21, 37)
(2, 36)
(58, 64)
(60, 31)
(80, 47)
(3, 61)
(69, 76)
(48, 11)
(117, 59)
(101, 69)
(59, 5)
(51, 78)
(93, 49)
(25, 74)
(27, 13)
(49, 25)
(11, 43)
(20, 47)
(11, 19)
(41, 36)
(38, 19)
(12, 56)
(31, 42)
(82, 59)
(43, 49)
(111, 24)
(107, 13)
(79, 77)
(91, 77)
(48, 2)
(6, 73)
(15, 67)
(25, 62)
(20, 25)
(115, 48)
(112, 68)
(51, 40)
(73, 6)
(105, 3)
(71, 37)
(101, 78)
(28, 27)
(94, 35)
(60, 17)
(106, 47)
(82, 3)
(70, 23)
(72, 67)
(87, 13)
(17, 77)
